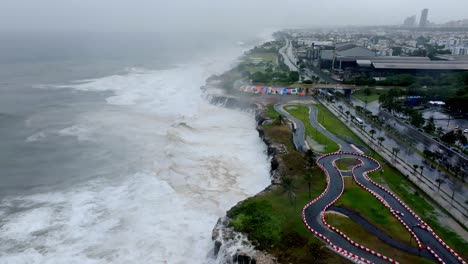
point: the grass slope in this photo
(361, 236)
(402, 187)
(362, 202)
(301, 112)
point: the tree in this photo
(372, 133)
(456, 171)
(430, 126)
(310, 157)
(289, 188)
(449, 137)
(279, 120)
(395, 152)
(293, 76)
(421, 168)
(440, 182)
(347, 113)
(415, 168)
(397, 51)
(367, 92)
(416, 119)
(308, 179)
(340, 107)
(380, 140)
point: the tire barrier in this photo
(450, 255)
(338, 249)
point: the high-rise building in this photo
(410, 21)
(423, 21)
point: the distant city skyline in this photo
(423, 20)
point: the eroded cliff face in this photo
(231, 246)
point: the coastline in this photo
(231, 246)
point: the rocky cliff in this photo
(231, 246)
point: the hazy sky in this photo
(154, 15)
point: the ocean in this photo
(109, 151)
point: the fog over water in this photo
(111, 154)
(212, 16)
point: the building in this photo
(410, 22)
(338, 58)
(423, 23)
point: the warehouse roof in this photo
(432, 65)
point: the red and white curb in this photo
(396, 213)
(322, 214)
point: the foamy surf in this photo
(186, 161)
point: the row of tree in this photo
(394, 100)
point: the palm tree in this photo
(415, 167)
(279, 120)
(289, 188)
(372, 133)
(457, 171)
(380, 139)
(421, 168)
(439, 182)
(308, 179)
(455, 188)
(395, 152)
(310, 157)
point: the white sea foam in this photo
(195, 161)
(36, 137)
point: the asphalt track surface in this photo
(429, 245)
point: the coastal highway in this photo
(429, 245)
(286, 52)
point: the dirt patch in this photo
(335, 213)
(316, 147)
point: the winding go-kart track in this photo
(313, 214)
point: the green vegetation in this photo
(290, 242)
(401, 186)
(274, 77)
(301, 112)
(359, 200)
(363, 237)
(283, 233)
(370, 97)
(346, 163)
(417, 201)
(393, 102)
(271, 112)
(265, 57)
(333, 124)
(449, 87)
(256, 219)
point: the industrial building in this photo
(348, 67)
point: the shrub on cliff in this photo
(256, 219)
